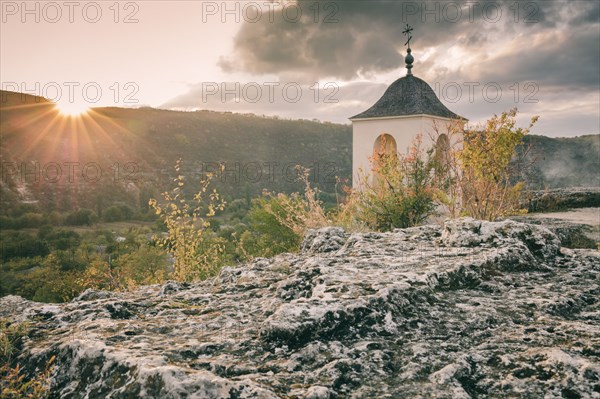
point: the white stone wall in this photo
(403, 129)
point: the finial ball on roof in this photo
(409, 59)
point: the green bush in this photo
(61, 239)
(25, 221)
(267, 235)
(148, 265)
(82, 217)
(117, 213)
(21, 245)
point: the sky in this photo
(310, 59)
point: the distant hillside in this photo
(565, 162)
(55, 162)
(140, 146)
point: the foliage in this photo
(55, 280)
(197, 255)
(11, 335)
(267, 235)
(61, 239)
(20, 245)
(488, 166)
(400, 193)
(82, 217)
(101, 275)
(446, 167)
(118, 212)
(14, 273)
(146, 266)
(298, 212)
(13, 382)
(279, 221)
(28, 220)
(73, 262)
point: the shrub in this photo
(198, 254)
(268, 236)
(278, 222)
(117, 213)
(400, 192)
(101, 275)
(82, 217)
(61, 239)
(21, 245)
(298, 212)
(29, 220)
(483, 170)
(148, 265)
(487, 169)
(13, 384)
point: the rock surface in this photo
(468, 310)
(563, 198)
(572, 233)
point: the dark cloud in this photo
(561, 60)
(368, 39)
(576, 13)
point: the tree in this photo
(21, 245)
(62, 239)
(117, 213)
(81, 217)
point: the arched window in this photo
(385, 145)
(384, 152)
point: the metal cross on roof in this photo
(407, 32)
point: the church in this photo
(408, 107)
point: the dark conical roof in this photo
(407, 96)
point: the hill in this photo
(565, 162)
(45, 155)
(127, 155)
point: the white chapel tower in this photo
(408, 107)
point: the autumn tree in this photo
(481, 176)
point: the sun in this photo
(73, 109)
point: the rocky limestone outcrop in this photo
(571, 234)
(562, 198)
(468, 310)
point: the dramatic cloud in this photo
(550, 39)
(481, 57)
